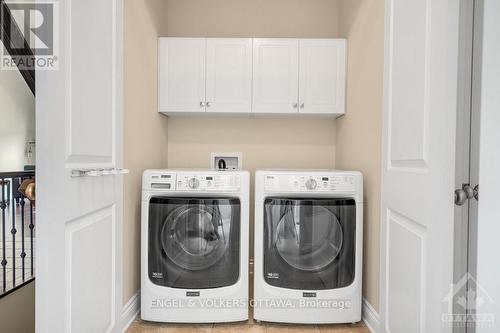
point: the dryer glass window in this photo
(194, 242)
(309, 243)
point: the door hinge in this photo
(465, 193)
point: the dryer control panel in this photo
(309, 183)
(216, 182)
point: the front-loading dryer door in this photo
(194, 243)
(309, 243)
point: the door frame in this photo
(463, 166)
(475, 128)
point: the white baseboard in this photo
(371, 317)
(130, 311)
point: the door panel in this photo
(97, 229)
(229, 75)
(182, 74)
(322, 76)
(418, 177)
(409, 72)
(275, 75)
(89, 99)
(79, 126)
(407, 238)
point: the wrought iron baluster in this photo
(31, 226)
(9, 185)
(23, 253)
(3, 206)
(13, 231)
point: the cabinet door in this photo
(182, 74)
(229, 75)
(322, 76)
(275, 75)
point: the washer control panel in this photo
(208, 182)
(309, 183)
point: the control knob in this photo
(193, 183)
(311, 184)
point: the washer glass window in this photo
(194, 242)
(309, 243)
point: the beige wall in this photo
(17, 310)
(250, 18)
(145, 131)
(359, 132)
(264, 142)
(17, 125)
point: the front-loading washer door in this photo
(309, 243)
(194, 243)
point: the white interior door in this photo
(322, 73)
(229, 75)
(182, 74)
(418, 164)
(79, 126)
(275, 75)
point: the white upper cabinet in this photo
(322, 71)
(229, 75)
(275, 75)
(244, 75)
(182, 75)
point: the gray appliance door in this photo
(309, 243)
(194, 242)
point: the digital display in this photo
(324, 179)
(210, 178)
(165, 176)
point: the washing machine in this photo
(194, 246)
(308, 246)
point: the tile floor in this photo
(139, 326)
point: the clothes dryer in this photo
(308, 246)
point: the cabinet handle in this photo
(302, 105)
(208, 104)
(295, 105)
(202, 104)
